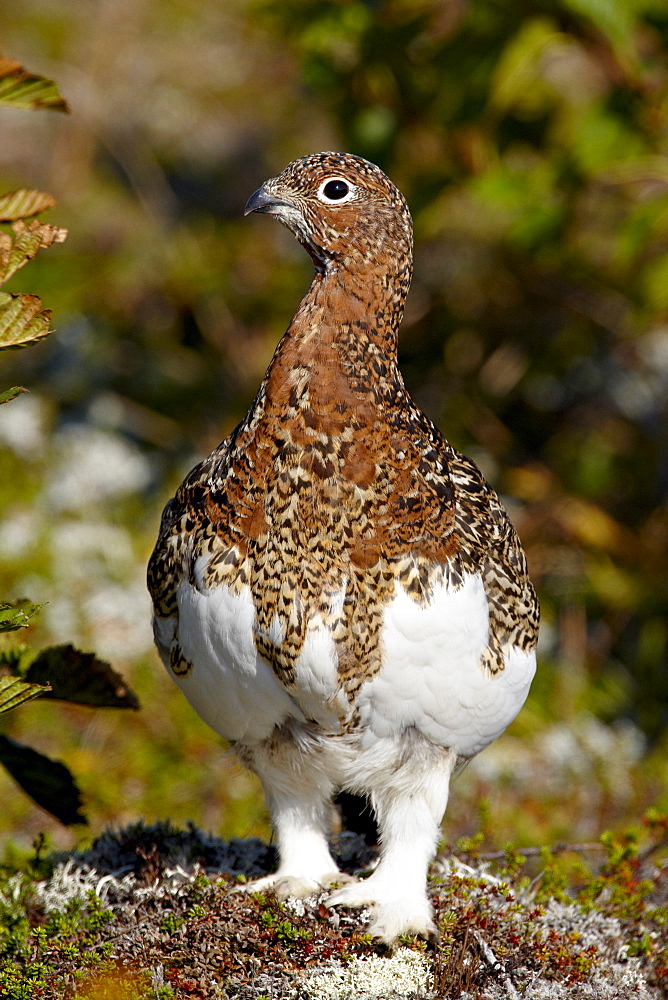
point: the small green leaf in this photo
(24, 203)
(80, 678)
(22, 321)
(47, 782)
(21, 89)
(11, 393)
(14, 692)
(16, 616)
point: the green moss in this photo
(42, 954)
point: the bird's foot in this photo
(283, 885)
(392, 912)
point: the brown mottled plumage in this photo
(333, 497)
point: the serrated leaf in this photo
(22, 321)
(21, 89)
(11, 393)
(80, 678)
(16, 616)
(47, 782)
(24, 203)
(14, 692)
(28, 239)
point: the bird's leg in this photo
(298, 795)
(409, 805)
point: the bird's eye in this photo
(335, 190)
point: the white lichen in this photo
(404, 974)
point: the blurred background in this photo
(531, 141)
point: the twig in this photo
(534, 852)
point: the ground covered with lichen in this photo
(157, 912)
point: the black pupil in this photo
(335, 190)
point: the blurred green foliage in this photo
(531, 141)
(61, 672)
(533, 151)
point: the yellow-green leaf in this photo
(23, 204)
(14, 692)
(21, 89)
(22, 320)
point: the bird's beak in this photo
(263, 201)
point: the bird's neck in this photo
(344, 335)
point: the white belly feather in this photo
(231, 686)
(431, 678)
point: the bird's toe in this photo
(297, 886)
(392, 913)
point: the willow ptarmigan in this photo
(337, 591)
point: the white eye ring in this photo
(338, 184)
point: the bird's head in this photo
(344, 210)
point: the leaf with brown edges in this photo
(22, 320)
(12, 393)
(28, 238)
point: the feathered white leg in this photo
(298, 795)
(409, 803)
